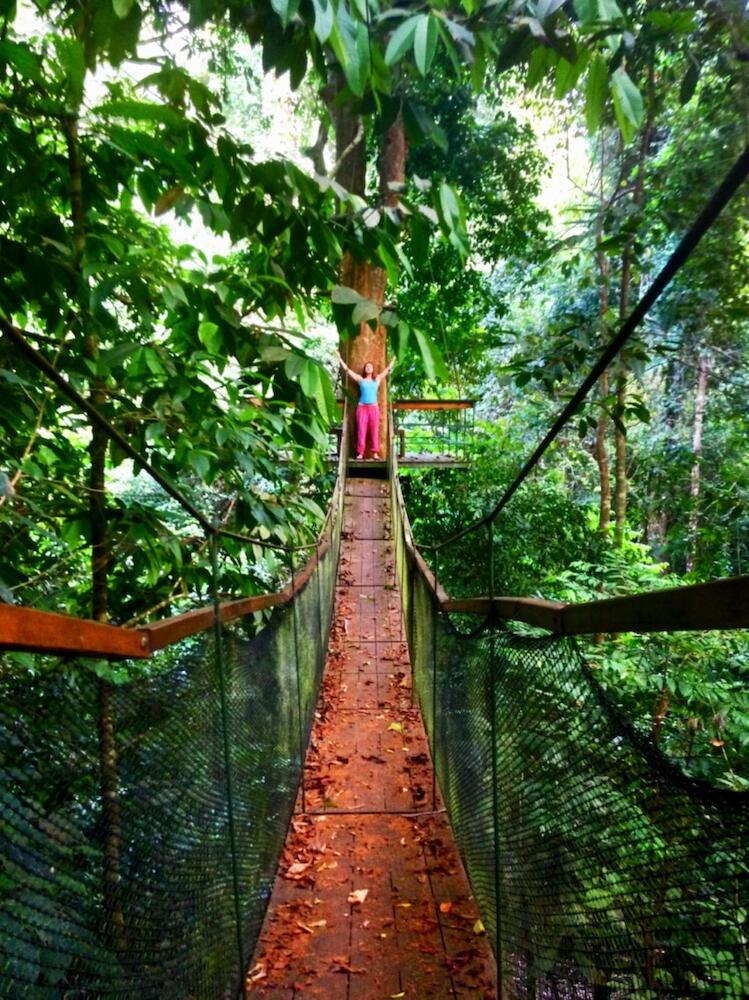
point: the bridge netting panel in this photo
(600, 869)
(140, 902)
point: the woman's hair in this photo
(364, 369)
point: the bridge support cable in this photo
(726, 191)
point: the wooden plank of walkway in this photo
(370, 900)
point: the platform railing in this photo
(431, 431)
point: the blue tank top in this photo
(368, 391)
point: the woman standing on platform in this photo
(367, 412)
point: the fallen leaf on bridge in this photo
(297, 870)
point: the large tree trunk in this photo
(638, 198)
(620, 466)
(602, 459)
(700, 401)
(601, 456)
(113, 922)
(367, 279)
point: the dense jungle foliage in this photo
(511, 177)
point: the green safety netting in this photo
(155, 886)
(600, 869)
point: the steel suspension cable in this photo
(728, 188)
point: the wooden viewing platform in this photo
(370, 899)
(429, 433)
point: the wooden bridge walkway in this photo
(370, 899)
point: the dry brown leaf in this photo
(165, 202)
(258, 971)
(297, 870)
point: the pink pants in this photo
(367, 426)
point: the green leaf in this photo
(155, 430)
(401, 40)
(122, 7)
(342, 295)
(425, 42)
(453, 218)
(316, 385)
(689, 83)
(586, 10)
(516, 49)
(72, 59)
(568, 74)
(681, 22)
(309, 378)
(478, 70)
(539, 62)
(404, 337)
(364, 311)
(350, 42)
(449, 202)
(142, 111)
(174, 290)
(210, 336)
(200, 463)
(324, 15)
(459, 32)
(595, 92)
(332, 411)
(153, 362)
(609, 10)
(273, 354)
(546, 8)
(286, 9)
(434, 365)
(628, 103)
(25, 62)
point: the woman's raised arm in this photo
(386, 372)
(354, 375)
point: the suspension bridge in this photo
(459, 808)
